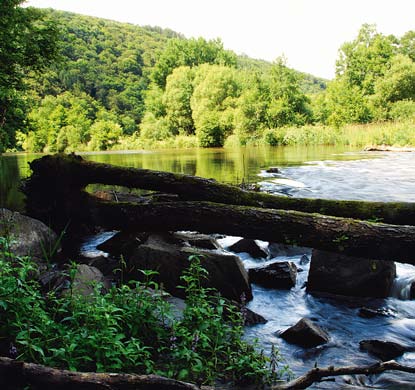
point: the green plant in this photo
(129, 329)
(207, 344)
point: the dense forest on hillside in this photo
(116, 85)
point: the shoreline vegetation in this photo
(79, 83)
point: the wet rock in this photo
(169, 258)
(277, 249)
(367, 312)
(280, 275)
(344, 275)
(248, 246)
(198, 240)
(304, 260)
(29, 236)
(306, 334)
(252, 318)
(273, 170)
(123, 243)
(384, 350)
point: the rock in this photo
(30, 237)
(123, 243)
(306, 334)
(170, 258)
(367, 312)
(384, 350)
(344, 275)
(281, 275)
(273, 170)
(86, 277)
(277, 249)
(198, 240)
(248, 246)
(304, 260)
(252, 318)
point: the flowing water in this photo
(323, 172)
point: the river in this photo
(325, 172)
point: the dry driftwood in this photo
(317, 374)
(17, 374)
(62, 173)
(347, 236)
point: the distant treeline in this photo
(115, 85)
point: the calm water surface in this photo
(324, 172)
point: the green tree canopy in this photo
(191, 52)
(27, 44)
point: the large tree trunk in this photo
(69, 173)
(347, 236)
(18, 375)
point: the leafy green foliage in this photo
(28, 44)
(129, 329)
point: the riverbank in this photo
(393, 134)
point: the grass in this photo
(399, 134)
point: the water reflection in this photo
(225, 165)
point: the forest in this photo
(83, 83)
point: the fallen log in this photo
(16, 374)
(317, 374)
(59, 173)
(347, 236)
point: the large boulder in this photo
(165, 254)
(280, 275)
(306, 334)
(248, 246)
(344, 275)
(29, 237)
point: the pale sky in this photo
(307, 32)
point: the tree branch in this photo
(317, 374)
(15, 373)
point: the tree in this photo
(364, 60)
(191, 52)
(176, 98)
(214, 102)
(287, 104)
(28, 44)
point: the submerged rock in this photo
(384, 350)
(277, 249)
(306, 334)
(248, 246)
(344, 275)
(280, 275)
(273, 170)
(367, 312)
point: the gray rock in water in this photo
(384, 350)
(29, 236)
(248, 246)
(225, 272)
(304, 260)
(306, 334)
(345, 275)
(277, 249)
(279, 275)
(198, 240)
(273, 170)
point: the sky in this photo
(308, 33)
